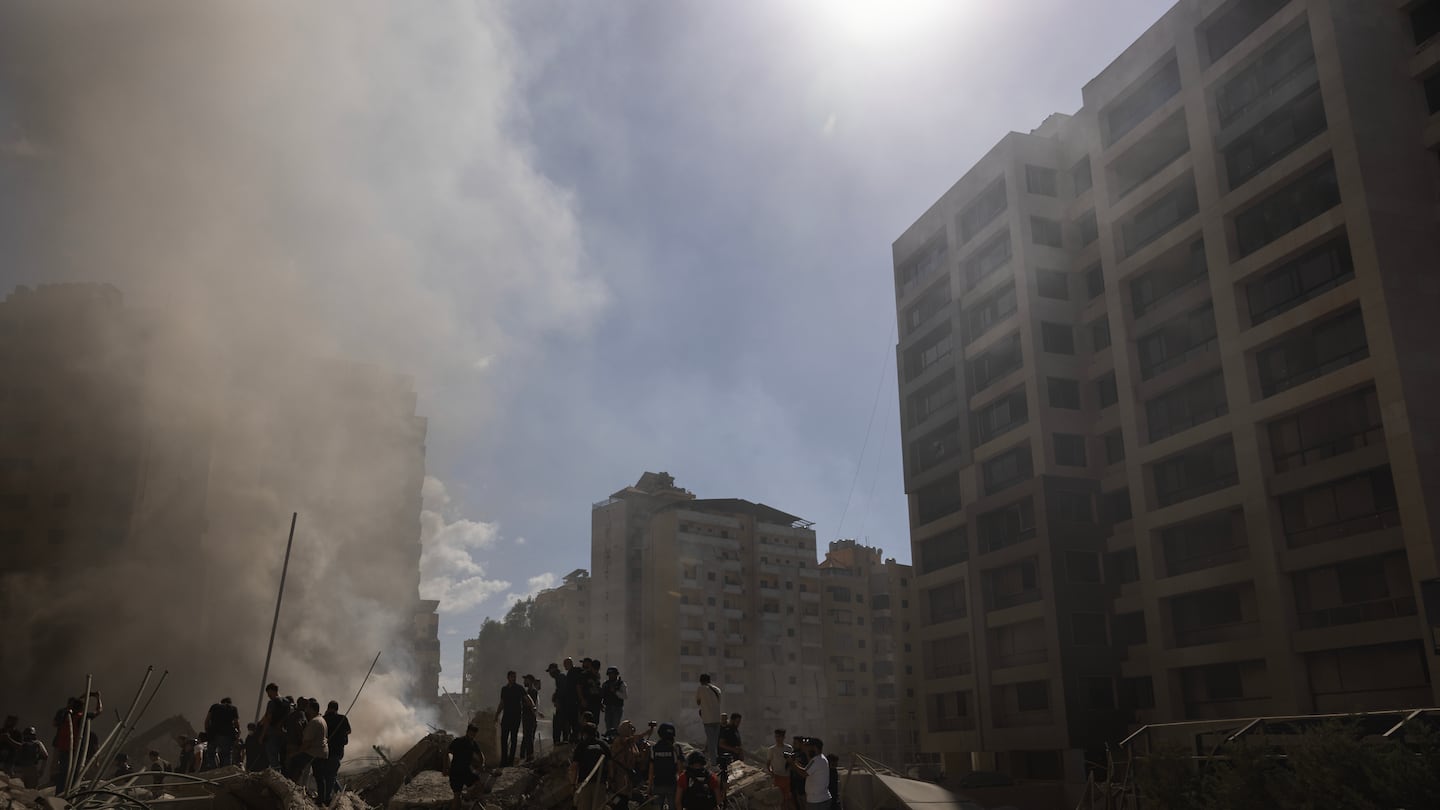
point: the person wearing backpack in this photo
(698, 788)
(613, 694)
(664, 771)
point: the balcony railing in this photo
(1373, 522)
(1216, 633)
(1000, 601)
(950, 723)
(1375, 611)
(1019, 659)
(950, 668)
(1178, 359)
(1337, 446)
(1174, 496)
(1199, 562)
(1270, 386)
(1041, 717)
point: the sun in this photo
(881, 22)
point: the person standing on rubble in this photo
(707, 697)
(509, 713)
(589, 771)
(222, 724)
(294, 727)
(559, 732)
(777, 764)
(313, 746)
(571, 697)
(10, 737)
(613, 693)
(30, 758)
(254, 747)
(731, 749)
(531, 719)
(272, 731)
(337, 735)
(68, 723)
(463, 762)
(664, 769)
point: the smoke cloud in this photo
(298, 202)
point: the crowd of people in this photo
(613, 763)
(292, 736)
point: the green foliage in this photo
(526, 639)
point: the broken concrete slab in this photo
(427, 790)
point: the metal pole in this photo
(362, 683)
(275, 625)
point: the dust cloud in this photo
(324, 227)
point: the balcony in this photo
(1186, 406)
(1312, 352)
(1168, 277)
(1177, 342)
(1217, 633)
(1148, 157)
(1147, 97)
(1195, 472)
(1332, 428)
(1305, 198)
(1375, 611)
(1277, 135)
(1286, 66)
(1314, 273)
(1018, 658)
(1160, 217)
(1000, 601)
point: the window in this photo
(937, 500)
(1204, 542)
(926, 261)
(1039, 180)
(1148, 97)
(943, 550)
(1425, 21)
(1136, 693)
(1168, 278)
(934, 301)
(931, 349)
(1350, 506)
(1237, 22)
(947, 602)
(989, 205)
(1312, 352)
(1162, 146)
(1057, 338)
(1063, 393)
(1006, 526)
(1088, 630)
(1082, 567)
(1293, 283)
(1011, 585)
(949, 711)
(1106, 392)
(1116, 506)
(1432, 93)
(1071, 507)
(1053, 284)
(931, 398)
(1279, 134)
(935, 447)
(1094, 282)
(1193, 614)
(1332, 428)
(947, 657)
(1114, 447)
(1069, 450)
(1195, 472)
(1045, 232)
(1159, 217)
(994, 255)
(1033, 696)
(1100, 334)
(1007, 469)
(1251, 86)
(1123, 566)
(1087, 228)
(1019, 644)
(994, 309)
(994, 364)
(1305, 198)
(1081, 176)
(1001, 416)
(1176, 341)
(1128, 629)
(1186, 406)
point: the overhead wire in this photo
(869, 426)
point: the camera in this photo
(653, 724)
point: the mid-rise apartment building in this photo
(1168, 391)
(865, 609)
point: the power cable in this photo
(874, 406)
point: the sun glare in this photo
(881, 22)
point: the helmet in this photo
(696, 759)
(612, 671)
(667, 731)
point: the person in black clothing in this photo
(797, 773)
(559, 732)
(589, 770)
(10, 738)
(509, 713)
(531, 718)
(271, 727)
(466, 760)
(570, 699)
(613, 693)
(255, 757)
(593, 691)
(222, 725)
(730, 747)
(327, 771)
(664, 768)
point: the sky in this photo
(604, 237)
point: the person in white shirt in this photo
(817, 778)
(707, 697)
(777, 764)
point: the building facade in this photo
(1167, 392)
(865, 610)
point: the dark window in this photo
(1305, 198)
(1106, 391)
(1167, 279)
(1088, 629)
(1432, 93)
(989, 205)
(1425, 21)
(947, 602)
(1312, 352)
(1114, 447)
(1223, 681)
(929, 350)
(1083, 567)
(1001, 416)
(1069, 450)
(1129, 629)
(1279, 134)
(944, 550)
(1176, 341)
(926, 261)
(1195, 472)
(1007, 469)
(1136, 694)
(1057, 338)
(1332, 428)
(1053, 284)
(994, 309)
(934, 301)
(994, 255)
(1071, 507)
(1193, 614)
(1002, 359)
(1094, 281)
(1122, 566)
(1005, 526)
(1039, 180)
(1096, 692)
(1045, 232)
(935, 447)
(1117, 506)
(1145, 99)
(1230, 27)
(1011, 585)
(1087, 228)
(1284, 60)
(1204, 542)
(1299, 280)
(1100, 334)
(934, 396)
(938, 499)
(1160, 216)
(1160, 147)
(1033, 696)
(1063, 393)
(1355, 505)
(1081, 176)
(1181, 408)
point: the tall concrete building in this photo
(866, 610)
(569, 604)
(1167, 380)
(684, 586)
